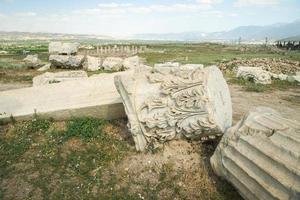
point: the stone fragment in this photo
(45, 67)
(260, 156)
(165, 103)
(51, 78)
(89, 97)
(293, 79)
(113, 64)
(298, 73)
(67, 62)
(92, 63)
(168, 64)
(281, 77)
(33, 61)
(254, 74)
(192, 66)
(131, 62)
(63, 48)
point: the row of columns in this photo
(120, 49)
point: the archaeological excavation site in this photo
(150, 100)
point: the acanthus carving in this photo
(176, 105)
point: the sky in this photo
(128, 17)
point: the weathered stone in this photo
(168, 64)
(113, 64)
(50, 78)
(260, 156)
(33, 61)
(63, 48)
(166, 103)
(281, 77)
(45, 67)
(68, 62)
(92, 63)
(90, 97)
(192, 66)
(293, 79)
(254, 74)
(298, 73)
(131, 62)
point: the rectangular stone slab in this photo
(94, 97)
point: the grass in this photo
(74, 151)
(207, 54)
(79, 159)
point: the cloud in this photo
(245, 3)
(122, 8)
(210, 2)
(25, 14)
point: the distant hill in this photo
(16, 36)
(249, 33)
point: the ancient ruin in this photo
(51, 78)
(95, 96)
(254, 74)
(165, 103)
(260, 156)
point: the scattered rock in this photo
(293, 79)
(113, 64)
(33, 61)
(254, 74)
(131, 62)
(50, 78)
(63, 48)
(45, 67)
(168, 64)
(274, 65)
(281, 77)
(260, 156)
(191, 66)
(68, 62)
(164, 104)
(92, 63)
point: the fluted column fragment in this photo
(260, 156)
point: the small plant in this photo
(86, 128)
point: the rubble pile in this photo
(276, 66)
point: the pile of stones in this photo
(276, 66)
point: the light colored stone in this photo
(51, 78)
(192, 66)
(63, 48)
(113, 64)
(68, 62)
(293, 79)
(168, 64)
(90, 97)
(165, 103)
(281, 77)
(260, 156)
(45, 67)
(254, 74)
(298, 73)
(92, 63)
(131, 62)
(33, 61)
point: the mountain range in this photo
(246, 33)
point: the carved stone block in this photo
(260, 156)
(164, 103)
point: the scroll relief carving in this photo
(167, 103)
